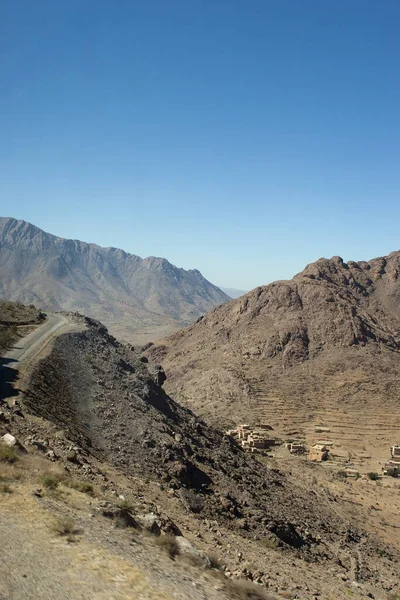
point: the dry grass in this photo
(269, 543)
(65, 526)
(5, 488)
(245, 590)
(125, 505)
(85, 487)
(33, 467)
(8, 455)
(50, 481)
(169, 544)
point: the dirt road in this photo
(27, 347)
(26, 350)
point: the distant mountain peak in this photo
(130, 294)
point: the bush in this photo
(168, 543)
(85, 487)
(125, 505)
(393, 472)
(65, 526)
(373, 476)
(341, 474)
(8, 335)
(7, 455)
(49, 481)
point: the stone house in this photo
(318, 453)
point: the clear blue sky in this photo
(244, 138)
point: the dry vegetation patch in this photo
(169, 544)
(245, 590)
(8, 455)
(65, 526)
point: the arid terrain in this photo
(100, 444)
(319, 350)
(138, 299)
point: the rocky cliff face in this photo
(141, 298)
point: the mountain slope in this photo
(106, 400)
(321, 349)
(131, 295)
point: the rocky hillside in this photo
(299, 353)
(269, 527)
(13, 316)
(137, 298)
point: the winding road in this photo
(28, 346)
(25, 350)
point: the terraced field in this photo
(360, 430)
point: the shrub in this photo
(341, 474)
(373, 476)
(65, 526)
(49, 481)
(8, 335)
(393, 472)
(7, 455)
(82, 486)
(125, 505)
(168, 543)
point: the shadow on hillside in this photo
(8, 378)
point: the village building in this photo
(395, 453)
(296, 447)
(318, 453)
(252, 438)
(394, 461)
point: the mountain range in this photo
(138, 299)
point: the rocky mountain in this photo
(320, 349)
(137, 298)
(103, 398)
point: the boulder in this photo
(186, 547)
(72, 456)
(9, 440)
(121, 516)
(39, 445)
(150, 522)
